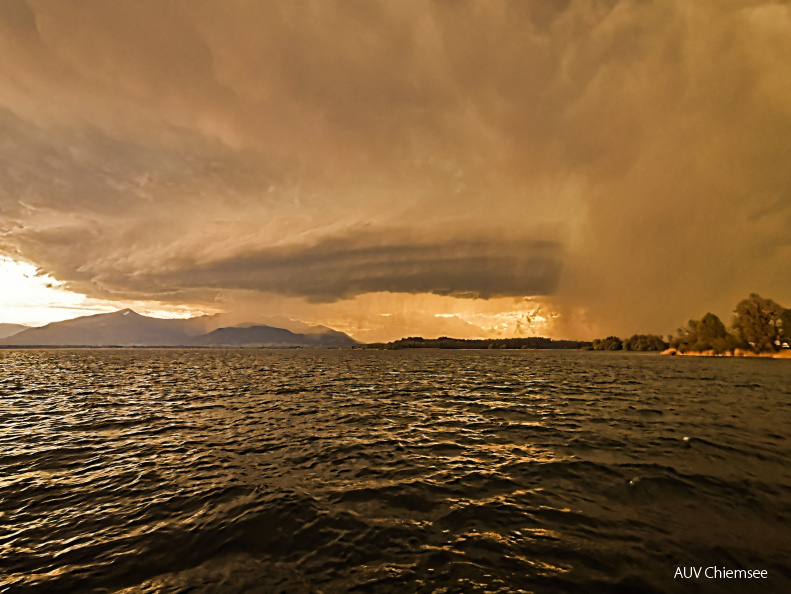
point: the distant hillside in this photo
(225, 320)
(120, 328)
(273, 337)
(11, 329)
(127, 328)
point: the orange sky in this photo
(572, 168)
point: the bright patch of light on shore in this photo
(29, 297)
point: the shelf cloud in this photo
(626, 158)
(343, 268)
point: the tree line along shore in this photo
(759, 327)
(444, 342)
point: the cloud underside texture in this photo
(627, 157)
(334, 270)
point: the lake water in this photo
(146, 470)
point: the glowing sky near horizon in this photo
(572, 168)
(35, 299)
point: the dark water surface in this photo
(379, 471)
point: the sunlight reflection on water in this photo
(331, 470)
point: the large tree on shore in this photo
(711, 328)
(611, 343)
(785, 326)
(707, 334)
(757, 320)
(644, 342)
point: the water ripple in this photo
(146, 470)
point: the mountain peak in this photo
(126, 327)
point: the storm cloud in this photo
(626, 158)
(343, 268)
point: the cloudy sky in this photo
(571, 168)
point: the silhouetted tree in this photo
(686, 337)
(644, 342)
(785, 326)
(707, 334)
(611, 343)
(757, 321)
(710, 328)
(713, 336)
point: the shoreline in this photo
(784, 354)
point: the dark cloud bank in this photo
(627, 157)
(342, 268)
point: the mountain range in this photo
(11, 329)
(128, 328)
